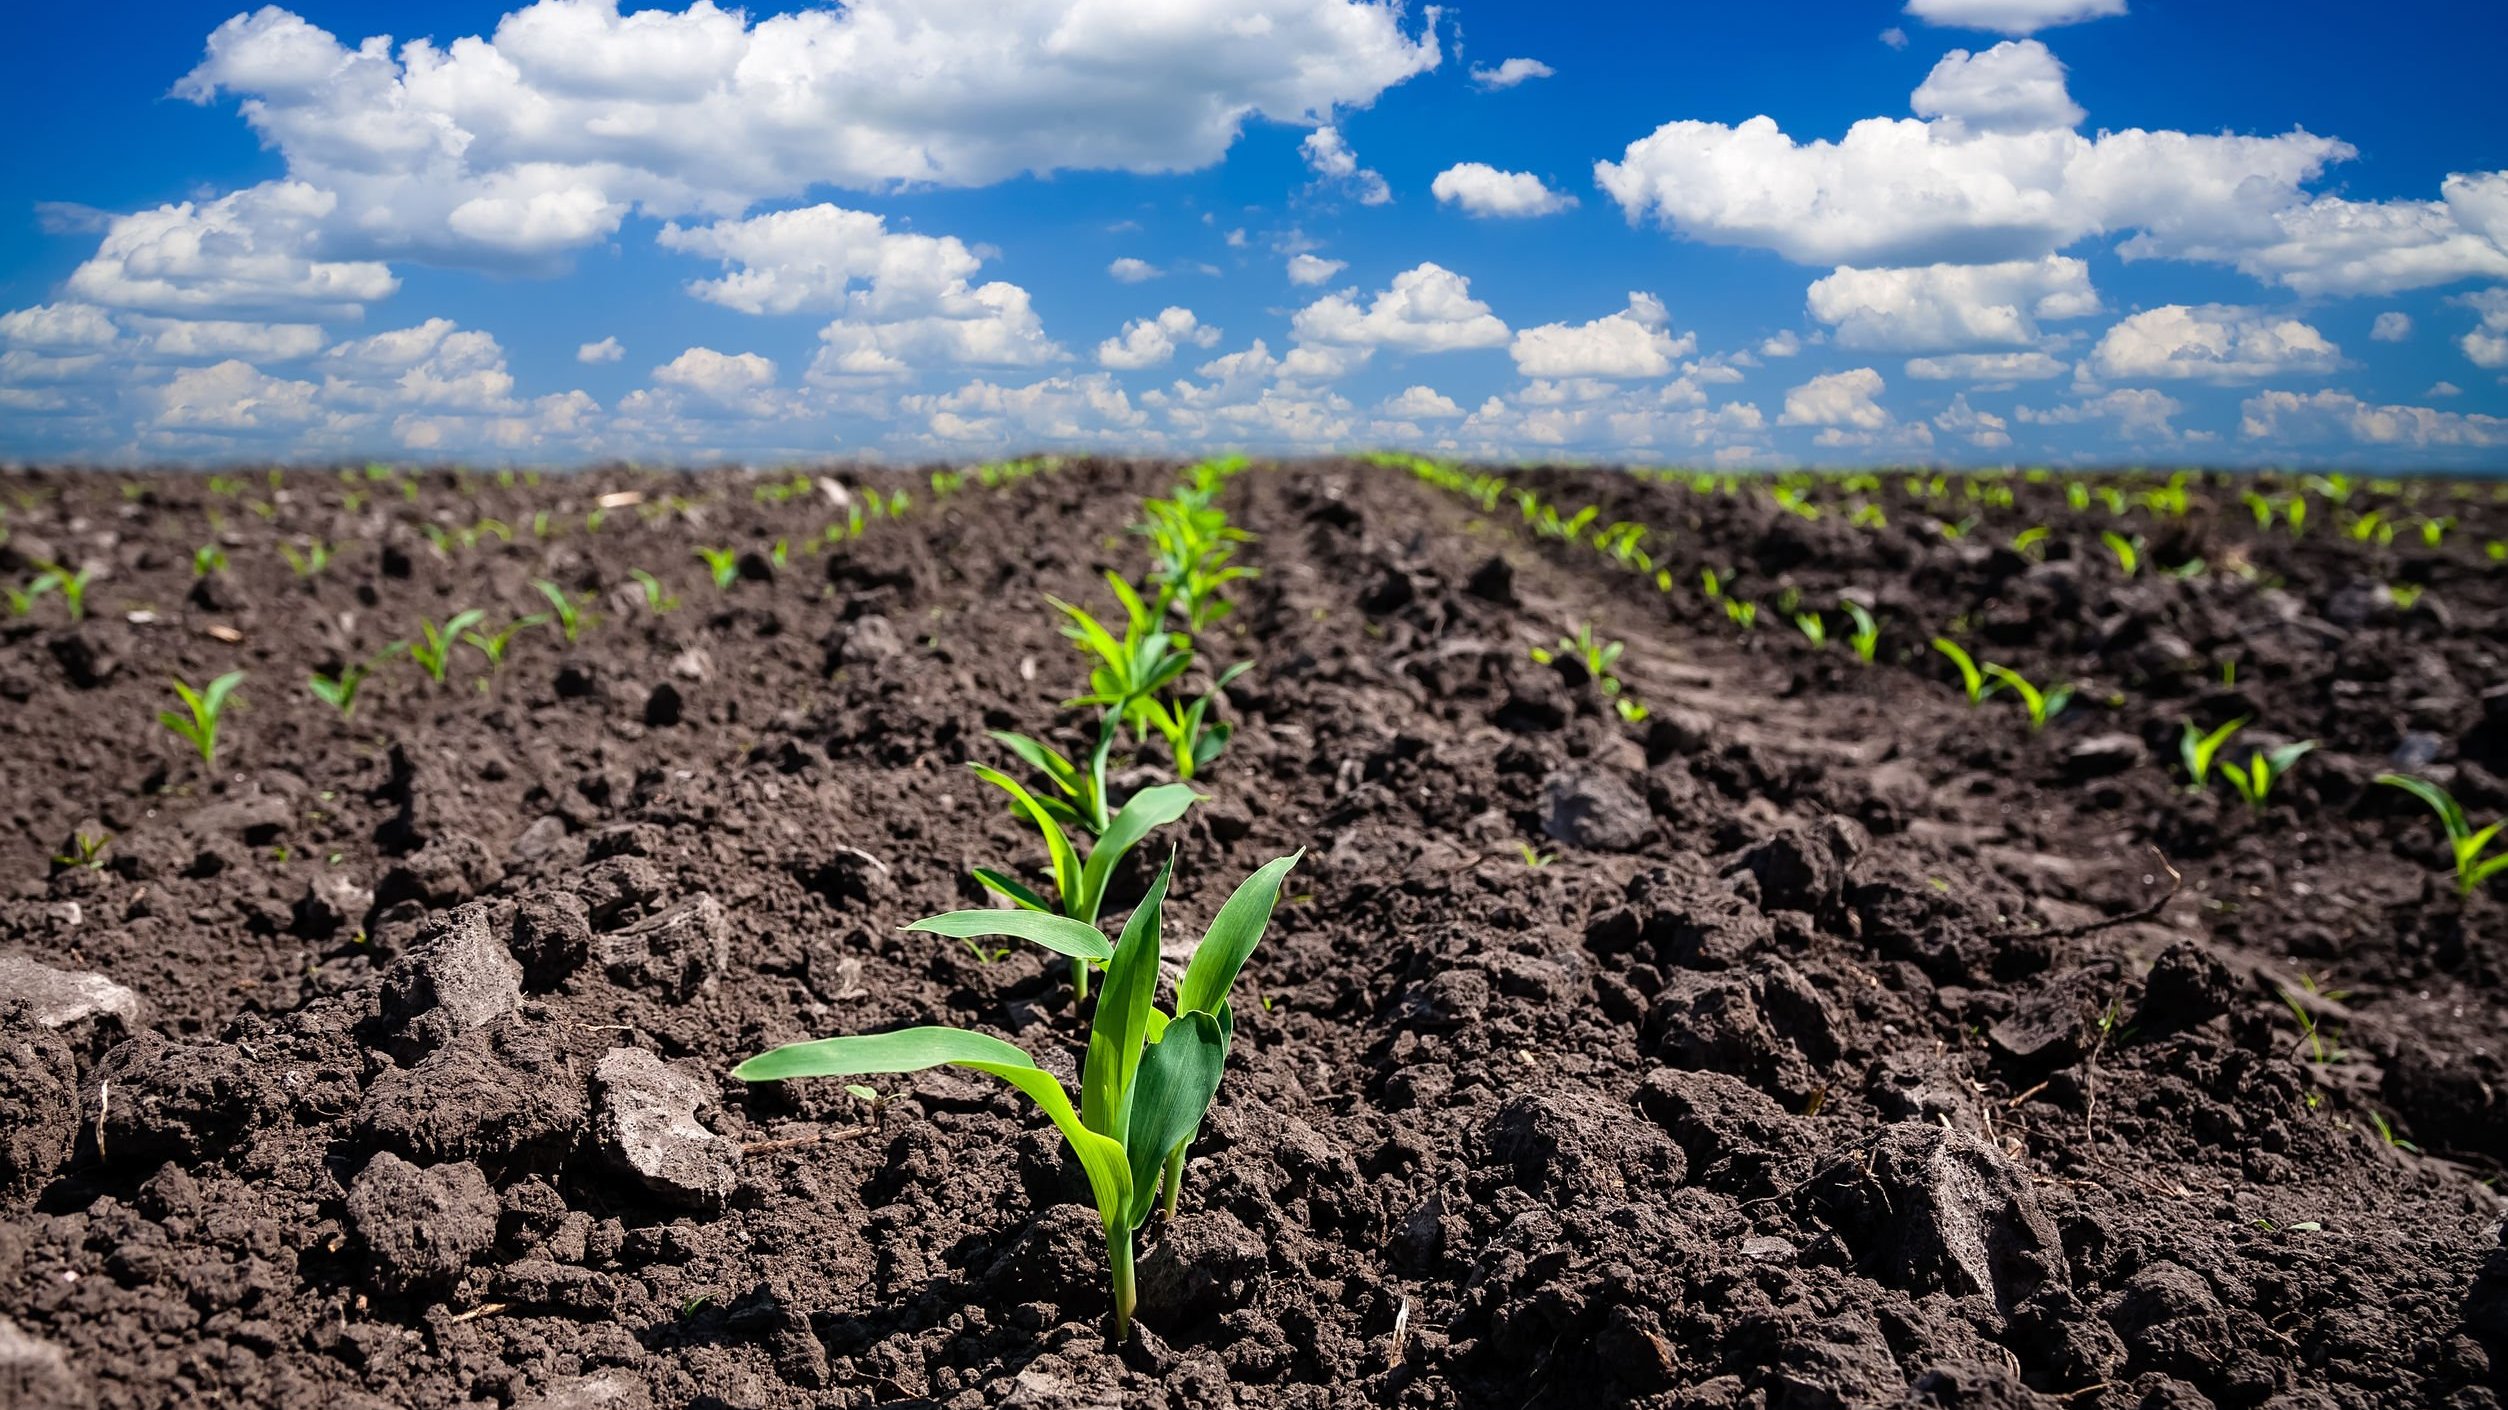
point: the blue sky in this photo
(1958, 231)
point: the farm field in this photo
(1693, 986)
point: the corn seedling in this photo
(85, 850)
(1534, 857)
(2042, 705)
(1080, 883)
(309, 561)
(2028, 542)
(340, 691)
(2197, 747)
(722, 565)
(494, 644)
(2128, 551)
(71, 585)
(1194, 740)
(22, 600)
(2407, 595)
(2434, 531)
(565, 611)
(1596, 655)
(1971, 679)
(1742, 614)
(1866, 638)
(1125, 672)
(197, 725)
(1149, 1077)
(657, 598)
(1814, 629)
(2254, 779)
(433, 650)
(207, 559)
(2463, 839)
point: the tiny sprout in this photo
(2030, 538)
(1742, 614)
(85, 851)
(2467, 843)
(2043, 705)
(433, 651)
(72, 587)
(1866, 638)
(2386, 1133)
(1630, 709)
(1971, 679)
(1814, 629)
(2407, 595)
(657, 598)
(2128, 551)
(2197, 748)
(22, 600)
(340, 691)
(493, 645)
(722, 565)
(568, 613)
(198, 725)
(315, 557)
(208, 559)
(1534, 857)
(2254, 780)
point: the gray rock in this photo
(2418, 749)
(333, 901)
(539, 839)
(420, 1227)
(35, 1373)
(457, 977)
(645, 1120)
(869, 639)
(89, 1011)
(449, 870)
(677, 952)
(1591, 807)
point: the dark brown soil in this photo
(1848, 1046)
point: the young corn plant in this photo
(340, 691)
(2254, 779)
(309, 561)
(1194, 739)
(569, 614)
(1813, 626)
(2043, 705)
(2463, 839)
(197, 725)
(2128, 551)
(1866, 638)
(1125, 672)
(494, 644)
(1150, 1075)
(433, 650)
(2197, 748)
(21, 601)
(722, 565)
(1080, 883)
(657, 598)
(1972, 680)
(208, 559)
(71, 585)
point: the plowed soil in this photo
(1818, 1040)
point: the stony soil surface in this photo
(1848, 1045)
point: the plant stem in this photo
(1173, 1179)
(1079, 980)
(1119, 1260)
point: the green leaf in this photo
(1121, 1023)
(1013, 888)
(1148, 810)
(1043, 758)
(1179, 1075)
(2450, 814)
(1233, 933)
(915, 1049)
(1057, 842)
(213, 699)
(1060, 934)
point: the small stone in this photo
(447, 871)
(456, 977)
(539, 839)
(420, 1227)
(610, 1390)
(645, 1120)
(618, 888)
(89, 1011)
(1932, 1210)
(677, 952)
(333, 901)
(868, 639)
(1591, 807)
(2418, 749)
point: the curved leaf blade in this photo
(1232, 936)
(1060, 934)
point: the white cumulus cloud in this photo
(2211, 342)
(2296, 416)
(1509, 73)
(607, 350)
(1149, 342)
(1950, 307)
(2012, 16)
(1481, 189)
(1636, 342)
(1429, 308)
(1329, 156)
(1846, 400)
(1314, 269)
